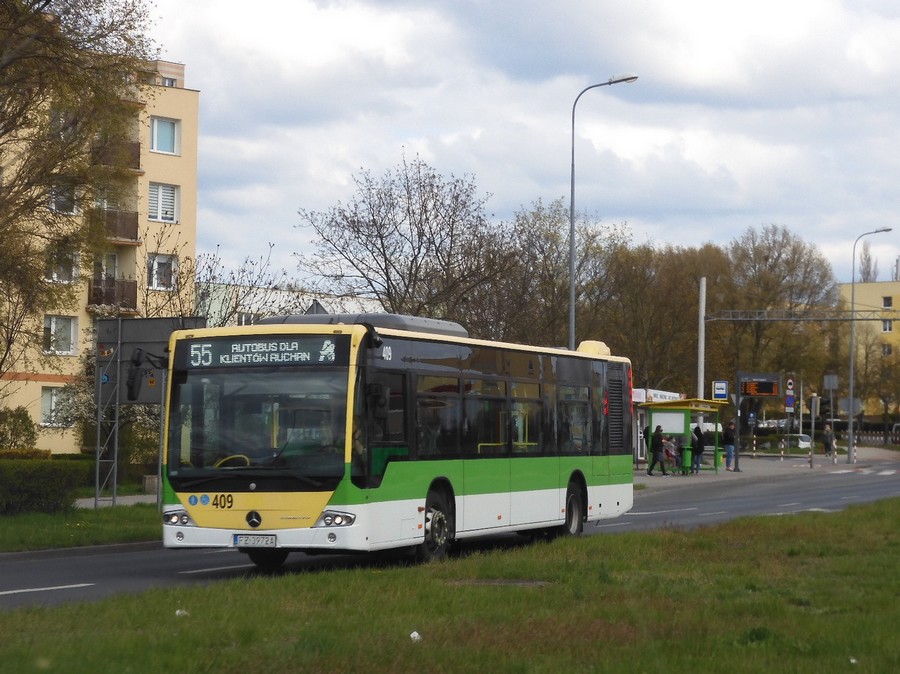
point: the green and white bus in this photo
(359, 433)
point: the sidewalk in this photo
(106, 500)
(767, 465)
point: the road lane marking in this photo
(721, 512)
(662, 512)
(216, 568)
(46, 589)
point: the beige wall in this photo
(869, 297)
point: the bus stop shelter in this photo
(675, 417)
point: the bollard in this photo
(781, 447)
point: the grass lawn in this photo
(815, 592)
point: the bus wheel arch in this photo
(576, 506)
(439, 522)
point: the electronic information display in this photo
(760, 389)
(262, 350)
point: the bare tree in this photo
(411, 240)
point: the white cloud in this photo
(745, 114)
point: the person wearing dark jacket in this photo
(728, 440)
(656, 449)
(697, 451)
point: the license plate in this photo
(254, 541)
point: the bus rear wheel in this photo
(574, 511)
(438, 528)
(267, 558)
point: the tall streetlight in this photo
(612, 80)
(851, 440)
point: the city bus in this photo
(370, 432)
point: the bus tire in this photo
(267, 558)
(439, 528)
(574, 511)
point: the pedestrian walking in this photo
(828, 440)
(657, 449)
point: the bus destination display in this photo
(264, 351)
(760, 388)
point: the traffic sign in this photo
(720, 390)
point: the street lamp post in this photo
(851, 440)
(612, 80)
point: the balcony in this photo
(110, 292)
(122, 226)
(125, 155)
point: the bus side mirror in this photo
(133, 382)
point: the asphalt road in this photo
(765, 485)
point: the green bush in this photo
(17, 430)
(26, 454)
(40, 486)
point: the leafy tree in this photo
(650, 314)
(63, 119)
(868, 267)
(776, 270)
(412, 240)
(17, 430)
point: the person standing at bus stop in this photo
(656, 449)
(728, 440)
(697, 452)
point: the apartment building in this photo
(151, 235)
(877, 338)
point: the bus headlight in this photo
(177, 518)
(330, 518)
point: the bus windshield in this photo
(259, 421)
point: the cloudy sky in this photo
(745, 114)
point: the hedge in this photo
(40, 485)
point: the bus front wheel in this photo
(438, 528)
(267, 558)
(574, 511)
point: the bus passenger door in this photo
(534, 494)
(486, 471)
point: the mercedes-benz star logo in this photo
(254, 519)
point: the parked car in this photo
(797, 441)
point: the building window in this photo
(887, 302)
(59, 334)
(886, 350)
(169, 82)
(164, 136)
(163, 202)
(106, 266)
(161, 271)
(62, 199)
(246, 318)
(61, 265)
(887, 326)
(50, 398)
